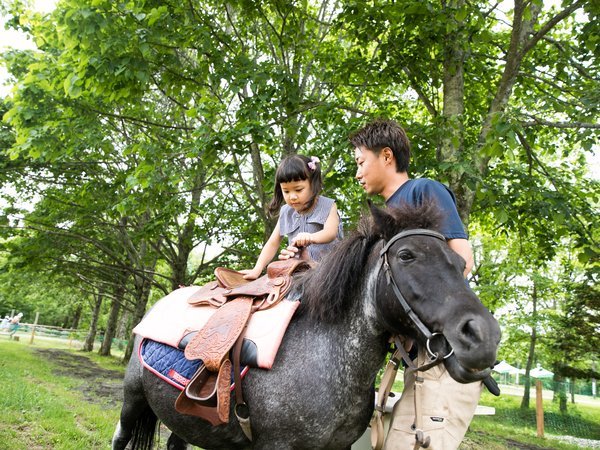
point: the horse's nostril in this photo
(472, 331)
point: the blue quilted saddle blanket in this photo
(170, 364)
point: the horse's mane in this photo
(330, 289)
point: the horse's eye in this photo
(405, 255)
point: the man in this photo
(382, 154)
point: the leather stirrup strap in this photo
(212, 395)
(212, 343)
(242, 413)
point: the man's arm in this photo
(463, 248)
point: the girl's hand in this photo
(251, 274)
(302, 240)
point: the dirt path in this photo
(99, 385)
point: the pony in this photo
(320, 392)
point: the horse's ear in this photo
(383, 222)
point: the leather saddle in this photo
(231, 284)
(207, 395)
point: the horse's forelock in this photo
(427, 215)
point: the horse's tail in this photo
(144, 430)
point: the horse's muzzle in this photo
(462, 374)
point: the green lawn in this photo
(45, 408)
(511, 423)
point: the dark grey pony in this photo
(319, 394)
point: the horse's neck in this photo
(360, 334)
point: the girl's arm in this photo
(267, 254)
(326, 235)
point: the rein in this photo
(385, 266)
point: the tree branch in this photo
(545, 29)
(565, 125)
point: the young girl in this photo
(307, 219)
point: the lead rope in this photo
(385, 387)
(421, 439)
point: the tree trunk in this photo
(522, 28)
(88, 345)
(143, 286)
(560, 388)
(451, 146)
(258, 176)
(76, 317)
(530, 359)
(185, 241)
(531, 355)
(562, 393)
(124, 326)
(113, 317)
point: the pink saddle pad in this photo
(172, 317)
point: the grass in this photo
(511, 423)
(44, 410)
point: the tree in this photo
(160, 124)
(470, 65)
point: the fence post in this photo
(539, 409)
(37, 315)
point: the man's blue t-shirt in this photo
(413, 192)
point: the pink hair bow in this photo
(312, 165)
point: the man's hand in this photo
(289, 252)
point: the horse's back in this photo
(308, 400)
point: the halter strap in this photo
(436, 358)
(415, 232)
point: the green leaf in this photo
(461, 14)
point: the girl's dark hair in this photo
(296, 168)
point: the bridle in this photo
(436, 358)
(377, 427)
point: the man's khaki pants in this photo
(447, 409)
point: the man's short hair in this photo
(381, 133)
